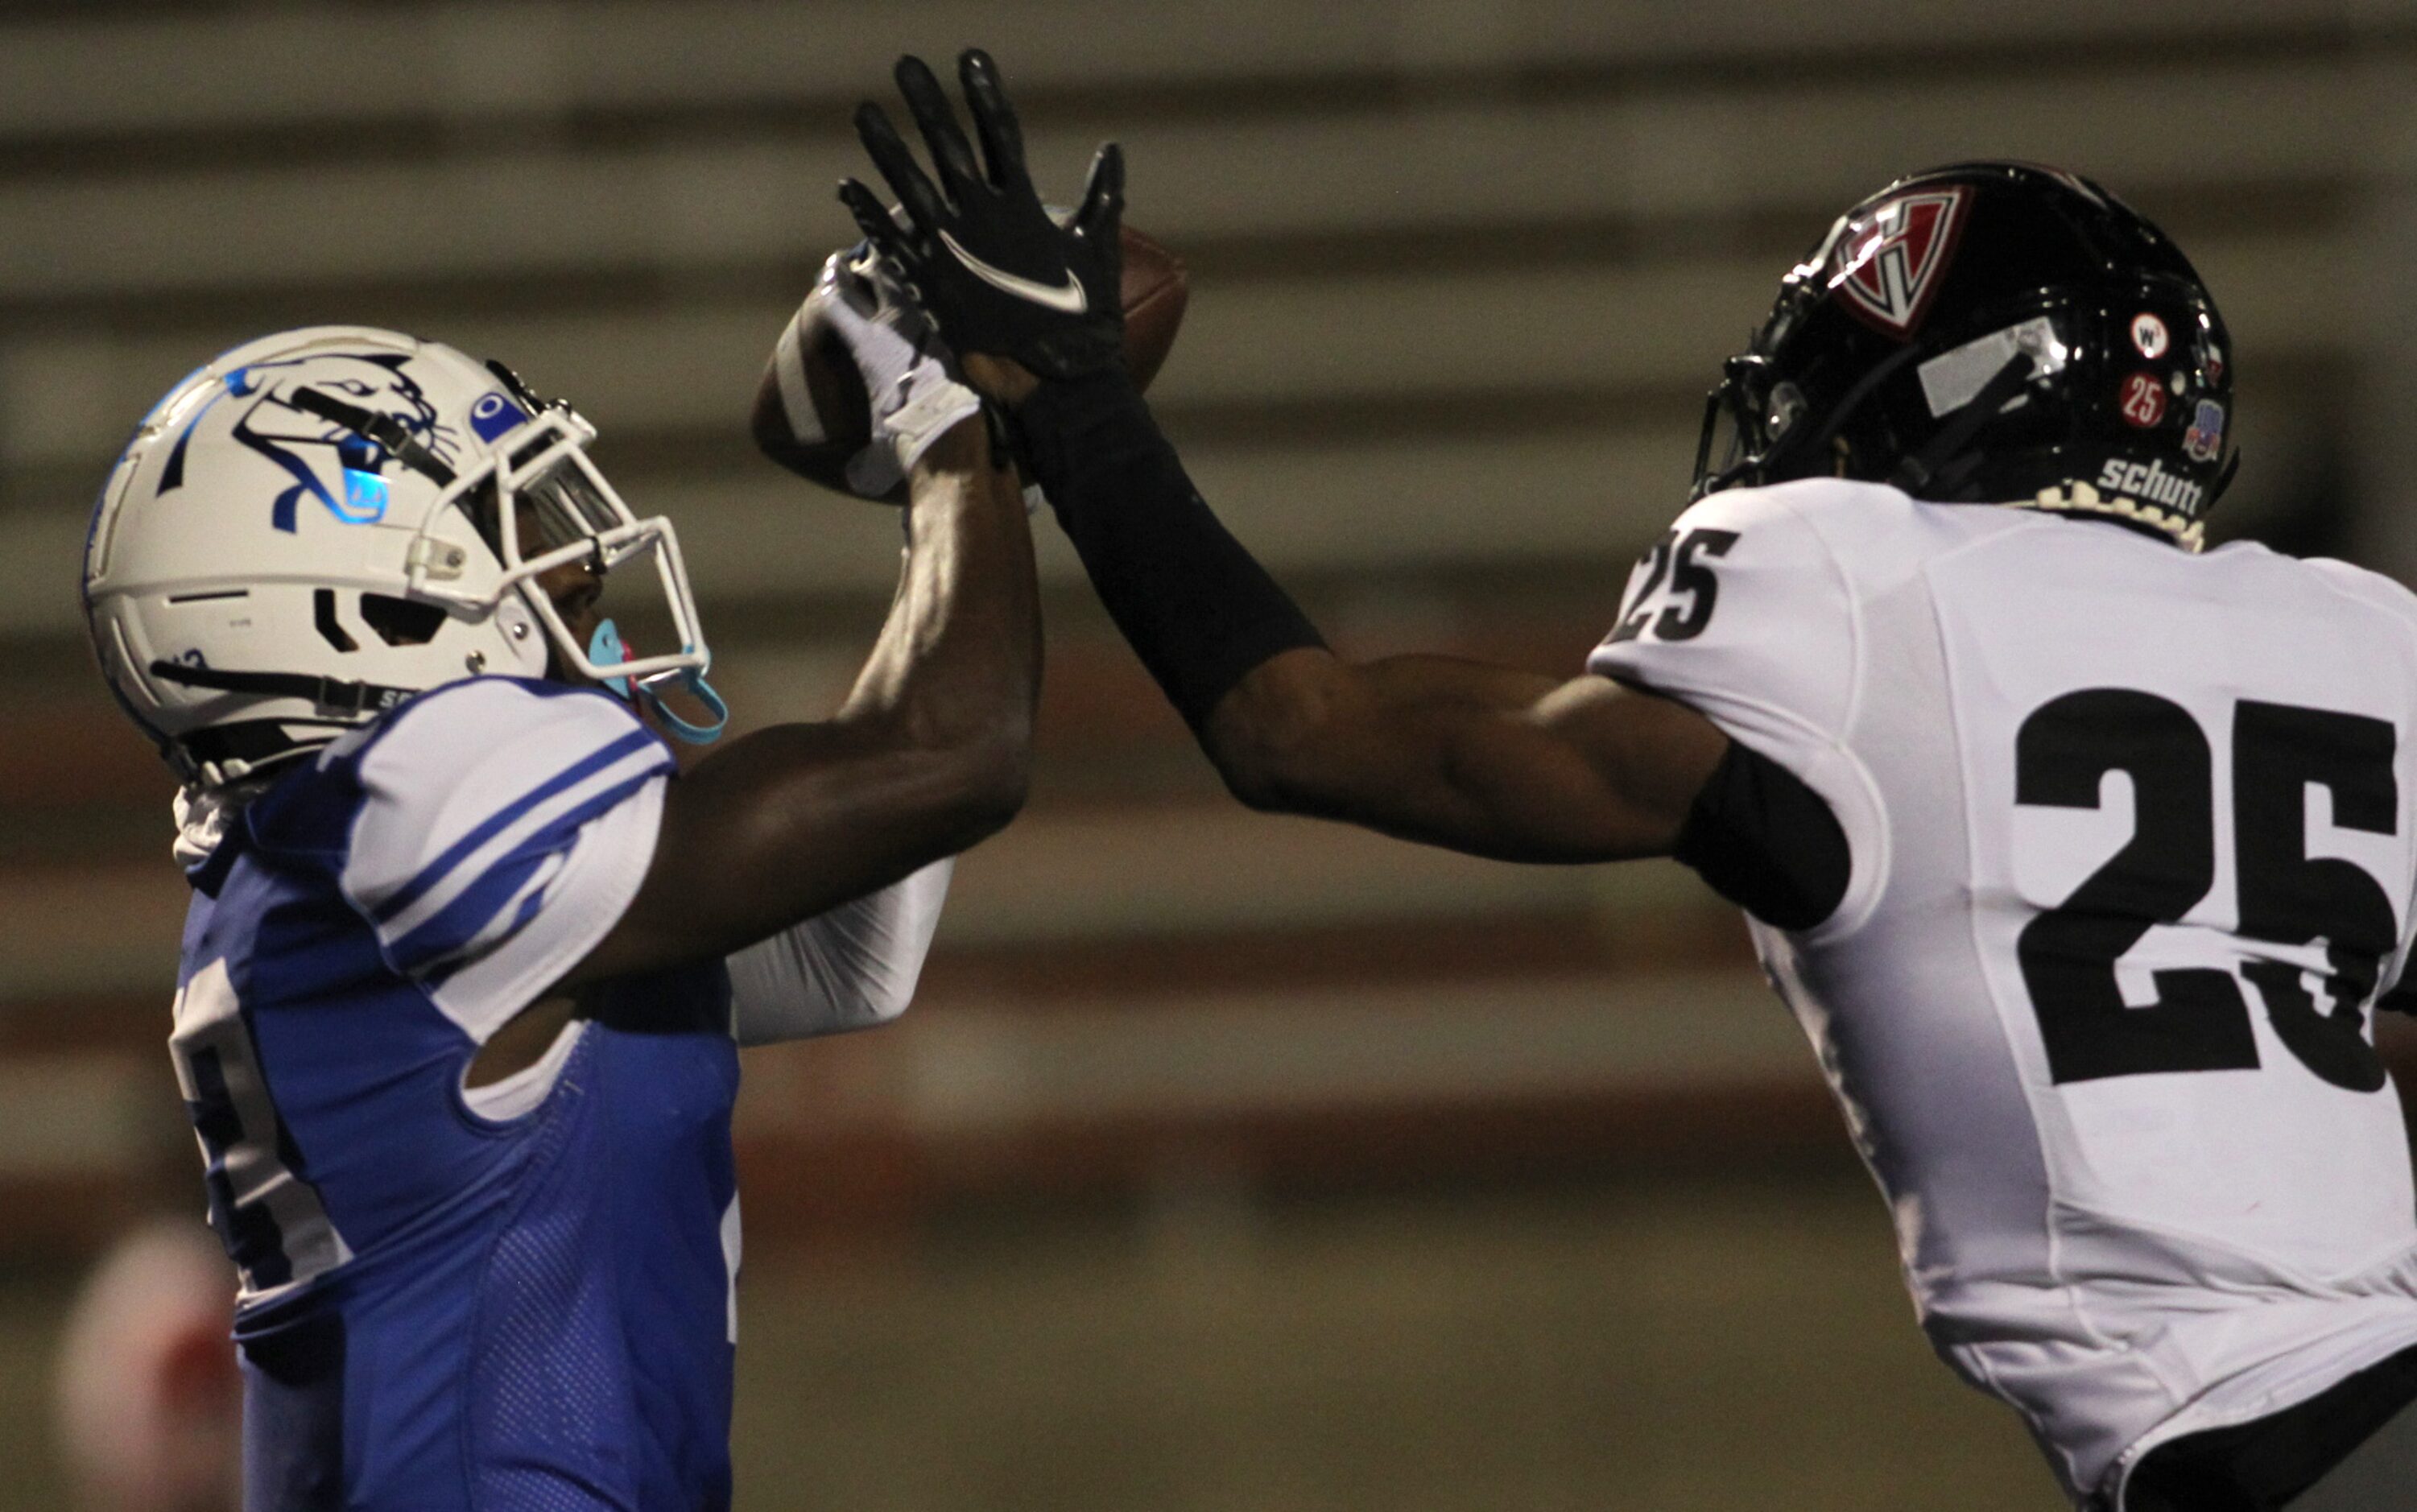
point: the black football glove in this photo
(983, 257)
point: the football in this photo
(1152, 288)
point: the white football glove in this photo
(913, 398)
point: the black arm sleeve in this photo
(1766, 842)
(1196, 607)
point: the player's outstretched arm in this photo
(1488, 760)
(928, 755)
(1481, 759)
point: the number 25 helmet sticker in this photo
(2144, 400)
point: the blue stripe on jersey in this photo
(461, 921)
(435, 976)
(436, 870)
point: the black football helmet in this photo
(1989, 333)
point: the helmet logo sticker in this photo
(2149, 336)
(289, 437)
(1890, 266)
(365, 496)
(2204, 440)
(2144, 400)
(494, 415)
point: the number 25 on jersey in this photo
(2288, 897)
(1675, 570)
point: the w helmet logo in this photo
(1890, 266)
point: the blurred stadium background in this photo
(1227, 1162)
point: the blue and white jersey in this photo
(517, 1296)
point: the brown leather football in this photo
(1154, 292)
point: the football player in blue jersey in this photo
(468, 961)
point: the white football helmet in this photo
(321, 522)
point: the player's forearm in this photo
(1306, 732)
(928, 756)
(958, 662)
(1490, 760)
(1284, 720)
(1191, 601)
(1426, 681)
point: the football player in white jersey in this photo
(2081, 856)
(468, 965)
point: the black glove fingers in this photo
(1002, 138)
(1010, 278)
(1104, 197)
(951, 154)
(890, 153)
(872, 219)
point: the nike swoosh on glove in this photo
(979, 251)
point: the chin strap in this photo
(327, 692)
(384, 430)
(605, 648)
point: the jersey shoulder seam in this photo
(1845, 584)
(1863, 893)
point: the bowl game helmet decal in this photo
(321, 523)
(1988, 333)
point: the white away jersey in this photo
(2133, 858)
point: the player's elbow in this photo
(1267, 741)
(959, 774)
(991, 803)
(988, 777)
(1254, 775)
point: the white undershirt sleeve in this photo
(851, 968)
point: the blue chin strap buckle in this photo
(605, 648)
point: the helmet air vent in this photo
(323, 613)
(401, 620)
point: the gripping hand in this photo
(998, 274)
(913, 400)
